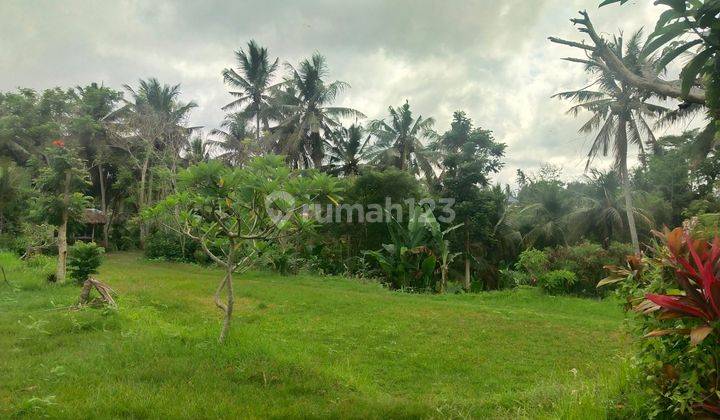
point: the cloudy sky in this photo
(487, 57)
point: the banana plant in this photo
(442, 246)
(417, 250)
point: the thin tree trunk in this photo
(625, 179)
(230, 298)
(2, 221)
(630, 214)
(142, 197)
(467, 259)
(61, 271)
(103, 204)
(443, 277)
(257, 123)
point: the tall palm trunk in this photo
(61, 271)
(625, 178)
(403, 155)
(257, 126)
(317, 153)
(630, 216)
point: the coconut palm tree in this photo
(253, 81)
(542, 214)
(151, 122)
(619, 114)
(401, 141)
(197, 151)
(346, 150)
(235, 140)
(305, 102)
(600, 208)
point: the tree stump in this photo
(103, 289)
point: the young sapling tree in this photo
(230, 211)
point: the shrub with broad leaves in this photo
(534, 262)
(676, 293)
(557, 282)
(697, 272)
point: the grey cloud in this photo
(487, 57)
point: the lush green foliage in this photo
(557, 282)
(587, 261)
(418, 249)
(572, 269)
(171, 246)
(532, 261)
(59, 183)
(93, 162)
(673, 293)
(84, 259)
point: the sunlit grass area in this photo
(301, 346)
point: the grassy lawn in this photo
(301, 346)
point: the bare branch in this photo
(647, 80)
(570, 43)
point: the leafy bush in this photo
(360, 267)
(587, 260)
(124, 235)
(509, 278)
(326, 256)
(40, 261)
(170, 246)
(557, 282)
(676, 295)
(704, 226)
(534, 262)
(84, 259)
(279, 257)
(12, 243)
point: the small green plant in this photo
(534, 262)
(35, 406)
(279, 257)
(509, 278)
(84, 260)
(557, 282)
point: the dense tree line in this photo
(121, 151)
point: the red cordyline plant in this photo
(697, 271)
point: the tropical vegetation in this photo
(360, 263)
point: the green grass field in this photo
(301, 346)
